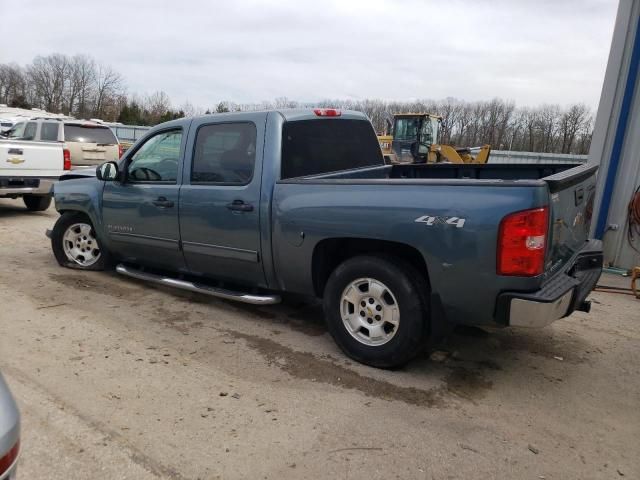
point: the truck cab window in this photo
(224, 153)
(157, 159)
(17, 131)
(312, 147)
(30, 131)
(49, 131)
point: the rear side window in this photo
(312, 147)
(89, 134)
(30, 131)
(49, 131)
(224, 153)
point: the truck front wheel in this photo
(376, 310)
(75, 244)
(37, 203)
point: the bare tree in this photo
(108, 84)
(571, 124)
(284, 102)
(188, 109)
(157, 104)
(13, 86)
(49, 76)
(82, 85)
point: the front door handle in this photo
(162, 202)
(240, 206)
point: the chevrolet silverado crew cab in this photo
(32, 158)
(245, 206)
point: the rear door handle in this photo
(162, 202)
(15, 151)
(240, 206)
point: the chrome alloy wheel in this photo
(80, 244)
(369, 311)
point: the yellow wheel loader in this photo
(414, 138)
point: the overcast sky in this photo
(530, 51)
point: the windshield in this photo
(406, 129)
(89, 134)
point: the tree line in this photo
(77, 86)
(546, 128)
(81, 87)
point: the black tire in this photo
(409, 288)
(37, 203)
(67, 220)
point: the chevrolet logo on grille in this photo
(15, 160)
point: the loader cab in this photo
(413, 136)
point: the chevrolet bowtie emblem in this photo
(15, 160)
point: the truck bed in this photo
(480, 172)
(389, 202)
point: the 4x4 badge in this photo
(430, 220)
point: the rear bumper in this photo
(562, 294)
(10, 187)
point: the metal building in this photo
(616, 140)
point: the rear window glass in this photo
(49, 132)
(312, 147)
(87, 134)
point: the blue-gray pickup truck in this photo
(248, 205)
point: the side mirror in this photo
(107, 172)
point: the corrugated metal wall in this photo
(616, 140)
(508, 156)
(129, 133)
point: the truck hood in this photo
(84, 172)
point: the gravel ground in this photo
(121, 379)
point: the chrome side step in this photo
(193, 287)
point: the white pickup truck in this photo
(31, 160)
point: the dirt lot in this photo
(120, 379)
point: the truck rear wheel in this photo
(75, 244)
(376, 310)
(37, 203)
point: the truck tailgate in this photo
(31, 159)
(571, 207)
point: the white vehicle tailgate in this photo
(31, 159)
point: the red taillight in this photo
(7, 460)
(120, 150)
(66, 159)
(327, 112)
(521, 242)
